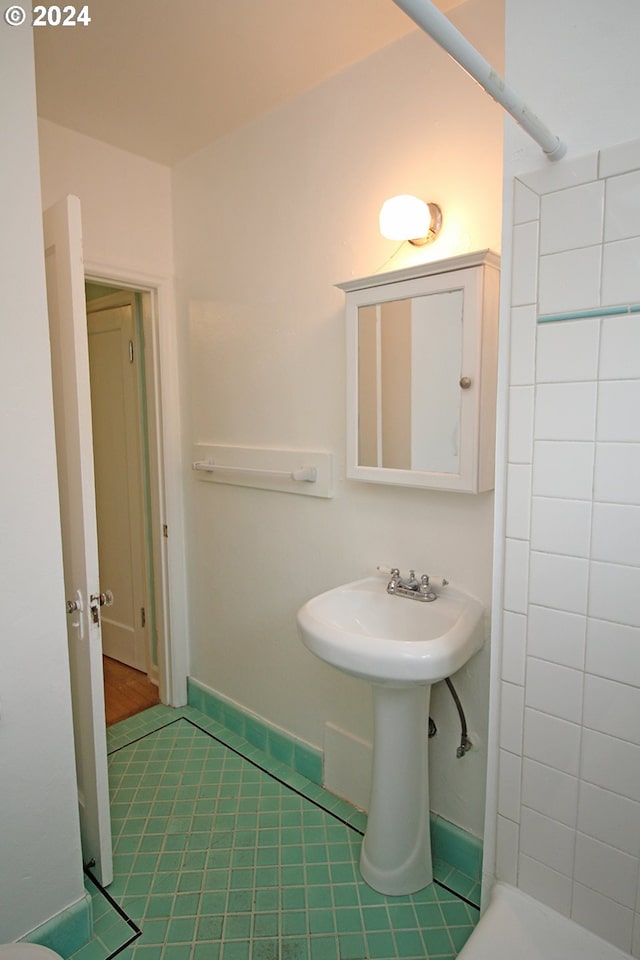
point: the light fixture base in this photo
(434, 227)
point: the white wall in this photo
(126, 200)
(267, 221)
(128, 237)
(41, 871)
(569, 687)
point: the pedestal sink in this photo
(401, 647)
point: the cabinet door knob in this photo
(465, 382)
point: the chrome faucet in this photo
(412, 587)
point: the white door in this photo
(117, 451)
(72, 410)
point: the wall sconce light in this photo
(409, 218)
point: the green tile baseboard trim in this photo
(457, 847)
(300, 756)
(590, 314)
(69, 930)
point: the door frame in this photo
(165, 473)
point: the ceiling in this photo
(163, 78)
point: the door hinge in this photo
(130, 351)
(143, 617)
(165, 530)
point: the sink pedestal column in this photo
(396, 851)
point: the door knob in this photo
(103, 599)
(75, 606)
(100, 600)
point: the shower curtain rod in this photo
(440, 29)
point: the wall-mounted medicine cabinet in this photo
(421, 374)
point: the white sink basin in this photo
(364, 631)
(401, 646)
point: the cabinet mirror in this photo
(421, 355)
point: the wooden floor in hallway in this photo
(126, 691)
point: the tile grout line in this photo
(180, 757)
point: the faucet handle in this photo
(425, 589)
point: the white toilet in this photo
(26, 951)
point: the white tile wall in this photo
(554, 689)
(569, 783)
(568, 351)
(516, 575)
(565, 411)
(606, 870)
(559, 582)
(507, 836)
(552, 741)
(616, 533)
(519, 487)
(609, 817)
(565, 175)
(543, 883)
(571, 280)
(618, 405)
(614, 593)
(620, 348)
(609, 707)
(563, 469)
(623, 207)
(572, 218)
(617, 473)
(620, 159)
(514, 647)
(520, 441)
(511, 718)
(509, 785)
(524, 276)
(561, 526)
(620, 277)
(557, 636)
(602, 915)
(526, 204)
(547, 840)
(550, 791)
(611, 763)
(613, 650)
(523, 345)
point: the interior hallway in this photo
(126, 691)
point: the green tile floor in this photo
(222, 853)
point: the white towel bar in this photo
(306, 474)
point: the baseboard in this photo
(300, 756)
(457, 847)
(68, 931)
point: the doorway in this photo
(124, 503)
